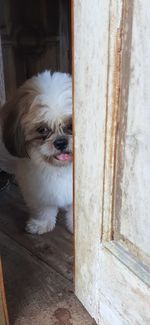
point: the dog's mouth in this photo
(59, 159)
(65, 156)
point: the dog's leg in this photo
(44, 220)
(69, 218)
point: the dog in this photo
(36, 127)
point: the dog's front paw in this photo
(35, 226)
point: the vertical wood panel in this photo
(2, 84)
(3, 308)
(91, 21)
(64, 35)
(134, 189)
(124, 288)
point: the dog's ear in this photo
(12, 133)
(13, 115)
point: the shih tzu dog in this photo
(37, 133)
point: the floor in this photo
(37, 269)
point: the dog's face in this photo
(50, 139)
(37, 123)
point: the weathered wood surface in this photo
(35, 37)
(111, 64)
(124, 298)
(53, 248)
(91, 20)
(64, 45)
(133, 185)
(3, 307)
(36, 294)
(125, 286)
(37, 270)
(2, 84)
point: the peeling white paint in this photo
(110, 282)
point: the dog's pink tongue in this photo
(63, 157)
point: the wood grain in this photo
(64, 35)
(91, 21)
(35, 37)
(3, 308)
(113, 284)
(133, 190)
(37, 269)
(2, 83)
(54, 248)
(36, 294)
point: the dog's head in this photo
(37, 122)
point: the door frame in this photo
(87, 231)
(3, 307)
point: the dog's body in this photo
(37, 131)
(45, 190)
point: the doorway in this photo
(38, 270)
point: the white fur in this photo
(45, 187)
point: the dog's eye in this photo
(43, 130)
(68, 129)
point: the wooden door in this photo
(3, 308)
(112, 159)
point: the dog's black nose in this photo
(61, 143)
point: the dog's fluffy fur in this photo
(37, 132)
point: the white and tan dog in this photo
(37, 132)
